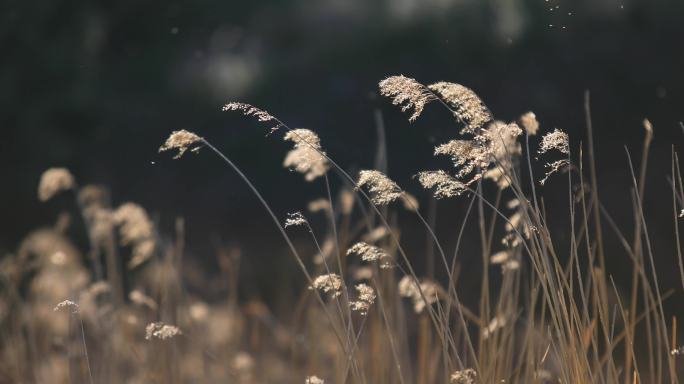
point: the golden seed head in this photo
(182, 141)
(53, 181)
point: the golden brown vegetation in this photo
(553, 315)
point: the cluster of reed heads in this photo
(119, 310)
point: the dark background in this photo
(97, 86)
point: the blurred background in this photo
(97, 86)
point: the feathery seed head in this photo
(53, 181)
(529, 123)
(328, 283)
(466, 154)
(250, 110)
(499, 257)
(66, 304)
(555, 140)
(497, 323)
(135, 229)
(466, 376)
(371, 253)
(295, 219)
(407, 93)
(134, 224)
(182, 141)
(409, 202)
(365, 298)
(141, 252)
(161, 331)
(382, 189)
(376, 234)
(409, 288)
(319, 205)
(445, 185)
(554, 167)
(307, 156)
(313, 380)
(139, 298)
(468, 107)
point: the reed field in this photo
(536, 303)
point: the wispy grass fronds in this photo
(53, 181)
(467, 106)
(161, 331)
(407, 93)
(307, 156)
(182, 141)
(444, 184)
(382, 189)
(371, 253)
(364, 299)
(330, 283)
(557, 140)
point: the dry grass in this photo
(545, 314)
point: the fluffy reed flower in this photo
(328, 283)
(407, 93)
(409, 202)
(555, 140)
(677, 351)
(161, 331)
(468, 107)
(313, 380)
(141, 299)
(376, 234)
(53, 181)
(95, 290)
(510, 265)
(513, 203)
(141, 252)
(319, 205)
(501, 140)
(199, 311)
(529, 123)
(371, 253)
(365, 298)
(382, 189)
(243, 363)
(93, 196)
(489, 154)
(362, 273)
(494, 325)
(554, 167)
(466, 376)
(328, 249)
(500, 257)
(248, 110)
(133, 223)
(498, 175)
(182, 141)
(346, 201)
(295, 219)
(135, 229)
(66, 304)
(307, 156)
(410, 289)
(466, 155)
(445, 185)
(502, 146)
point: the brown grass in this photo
(545, 314)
